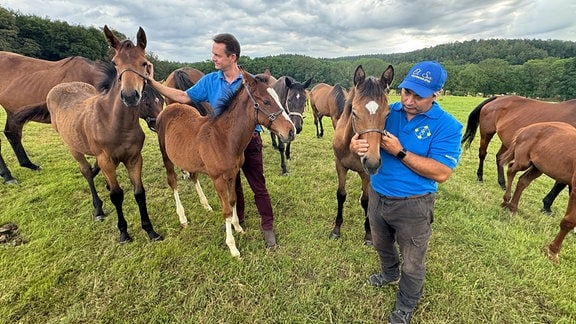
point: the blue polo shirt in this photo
(212, 88)
(434, 134)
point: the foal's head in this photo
(296, 101)
(131, 65)
(268, 110)
(368, 100)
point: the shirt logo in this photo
(422, 132)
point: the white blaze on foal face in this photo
(372, 107)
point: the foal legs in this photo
(525, 179)
(86, 170)
(568, 223)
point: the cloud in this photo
(181, 31)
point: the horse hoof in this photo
(547, 211)
(11, 182)
(157, 238)
(125, 238)
(334, 236)
(99, 218)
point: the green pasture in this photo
(484, 264)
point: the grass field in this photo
(484, 264)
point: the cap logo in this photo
(424, 76)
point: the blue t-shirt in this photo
(434, 134)
(213, 88)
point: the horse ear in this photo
(111, 38)
(307, 83)
(288, 82)
(141, 38)
(387, 76)
(359, 75)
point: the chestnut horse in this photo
(364, 113)
(327, 100)
(215, 145)
(504, 115)
(24, 84)
(293, 97)
(184, 78)
(535, 149)
(106, 125)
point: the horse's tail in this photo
(473, 122)
(508, 155)
(340, 99)
(36, 112)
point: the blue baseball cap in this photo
(425, 78)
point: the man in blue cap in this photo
(421, 149)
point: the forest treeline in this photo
(544, 69)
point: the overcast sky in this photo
(181, 31)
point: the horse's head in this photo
(150, 106)
(131, 65)
(369, 102)
(269, 111)
(296, 101)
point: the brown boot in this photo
(269, 239)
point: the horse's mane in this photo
(340, 98)
(225, 102)
(109, 78)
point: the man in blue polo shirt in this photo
(421, 149)
(213, 88)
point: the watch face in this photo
(401, 154)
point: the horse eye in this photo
(266, 102)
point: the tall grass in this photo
(484, 264)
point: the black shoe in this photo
(223, 228)
(269, 239)
(400, 317)
(378, 280)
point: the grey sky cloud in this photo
(181, 31)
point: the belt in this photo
(409, 197)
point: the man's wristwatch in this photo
(401, 154)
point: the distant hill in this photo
(514, 51)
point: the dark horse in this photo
(215, 145)
(293, 98)
(24, 84)
(184, 78)
(504, 115)
(535, 149)
(106, 125)
(365, 113)
(327, 100)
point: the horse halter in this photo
(145, 77)
(271, 116)
(369, 130)
(290, 113)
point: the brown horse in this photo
(24, 84)
(267, 77)
(365, 113)
(215, 145)
(106, 125)
(327, 100)
(293, 97)
(184, 78)
(504, 115)
(536, 149)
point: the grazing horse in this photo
(24, 84)
(215, 145)
(327, 100)
(504, 115)
(293, 98)
(364, 113)
(106, 125)
(535, 149)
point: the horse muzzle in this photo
(371, 165)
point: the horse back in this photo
(508, 114)
(25, 80)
